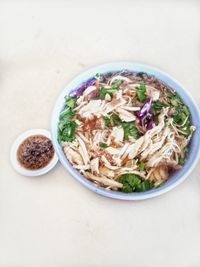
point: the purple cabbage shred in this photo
(79, 91)
(145, 115)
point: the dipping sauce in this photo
(35, 152)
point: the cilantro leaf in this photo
(68, 133)
(106, 121)
(115, 87)
(174, 99)
(130, 130)
(70, 102)
(179, 116)
(144, 186)
(67, 113)
(141, 96)
(115, 120)
(66, 126)
(157, 107)
(133, 183)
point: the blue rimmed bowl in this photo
(177, 177)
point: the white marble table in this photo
(53, 220)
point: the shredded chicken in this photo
(159, 174)
(103, 180)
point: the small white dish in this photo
(13, 154)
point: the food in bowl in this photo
(125, 131)
(35, 152)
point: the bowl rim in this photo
(137, 67)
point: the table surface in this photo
(53, 220)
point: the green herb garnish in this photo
(181, 160)
(115, 87)
(141, 96)
(68, 133)
(181, 115)
(66, 126)
(141, 74)
(97, 75)
(174, 99)
(106, 121)
(129, 127)
(158, 106)
(70, 102)
(103, 145)
(116, 84)
(133, 183)
(141, 166)
(67, 114)
(115, 120)
(130, 130)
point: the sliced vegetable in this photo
(150, 121)
(78, 92)
(145, 108)
(145, 115)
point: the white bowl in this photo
(194, 151)
(13, 154)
